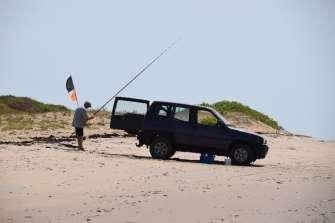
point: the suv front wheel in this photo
(161, 148)
(241, 154)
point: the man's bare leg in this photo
(80, 143)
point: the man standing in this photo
(79, 121)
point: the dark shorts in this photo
(79, 132)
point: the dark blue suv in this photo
(167, 127)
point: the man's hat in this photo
(87, 104)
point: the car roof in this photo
(181, 104)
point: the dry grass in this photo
(15, 122)
(43, 121)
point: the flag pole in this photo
(139, 73)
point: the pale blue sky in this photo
(275, 56)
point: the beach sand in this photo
(115, 181)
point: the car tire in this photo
(161, 148)
(241, 154)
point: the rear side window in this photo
(181, 114)
(126, 107)
(162, 111)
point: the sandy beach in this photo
(114, 181)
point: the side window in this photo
(124, 107)
(206, 118)
(162, 111)
(181, 114)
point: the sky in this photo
(274, 56)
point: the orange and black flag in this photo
(70, 88)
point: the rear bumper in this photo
(262, 151)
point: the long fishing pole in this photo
(138, 74)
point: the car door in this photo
(160, 118)
(182, 126)
(209, 133)
(128, 114)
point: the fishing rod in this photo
(138, 74)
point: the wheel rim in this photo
(241, 154)
(161, 148)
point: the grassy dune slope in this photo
(234, 110)
(20, 114)
(23, 113)
(12, 104)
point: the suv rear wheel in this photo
(241, 154)
(161, 148)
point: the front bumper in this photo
(262, 151)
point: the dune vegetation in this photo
(12, 104)
(229, 108)
(23, 113)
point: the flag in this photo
(71, 90)
(73, 95)
(69, 84)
